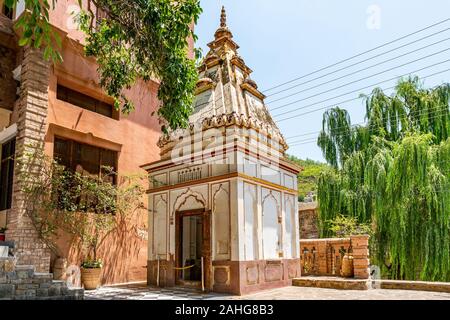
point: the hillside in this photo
(307, 179)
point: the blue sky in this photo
(282, 40)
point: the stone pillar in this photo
(360, 247)
(322, 256)
(32, 126)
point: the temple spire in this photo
(223, 18)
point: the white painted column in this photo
(259, 243)
(236, 219)
(150, 254)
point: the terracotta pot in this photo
(2, 237)
(90, 277)
(347, 266)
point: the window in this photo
(84, 158)
(7, 173)
(86, 102)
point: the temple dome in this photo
(225, 93)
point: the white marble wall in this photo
(250, 220)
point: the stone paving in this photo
(142, 292)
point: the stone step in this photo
(43, 276)
(412, 285)
(332, 283)
(25, 272)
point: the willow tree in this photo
(138, 39)
(394, 172)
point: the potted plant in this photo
(88, 208)
(2, 233)
(103, 207)
(90, 273)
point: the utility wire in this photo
(357, 63)
(358, 90)
(360, 70)
(359, 54)
(436, 114)
(355, 124)
(358, 80)
(335, 104)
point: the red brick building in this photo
(63, 106)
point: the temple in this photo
(223, 210)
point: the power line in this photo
(436, 113)
(359, 54)
(335, 104)
(359, 62)
(358, 123)
(360, 70)
(357, 90)
(356, 81)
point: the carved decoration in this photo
(226, 120)
(221, 218)
(252, 273)
(222, 275)
(160, 223)
(185, 196)
(273, 272)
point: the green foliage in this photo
(395, 174)
(142, 39)
(307, 179)
(88, 208)
(35, 27)
(343, 226)
(3, 229)
(92, 264)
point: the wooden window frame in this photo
(6, 202)
(66, 94)
(71, 157)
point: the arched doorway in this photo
(193, 261)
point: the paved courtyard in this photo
(142, 292)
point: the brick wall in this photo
(323, 257)
(308, 220)
(31, 124)
(308, 224)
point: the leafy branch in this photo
(141, 39)
(87, 207)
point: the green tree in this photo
(139, 39)
(307, 179)
(394, 172)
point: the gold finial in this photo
(223, 18)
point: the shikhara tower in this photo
(223, 210)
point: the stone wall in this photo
(23, 283)
(323, 257)
(308, 220)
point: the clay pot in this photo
(347, 266)
(59, 269)
(90, 278)
(2, 237)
